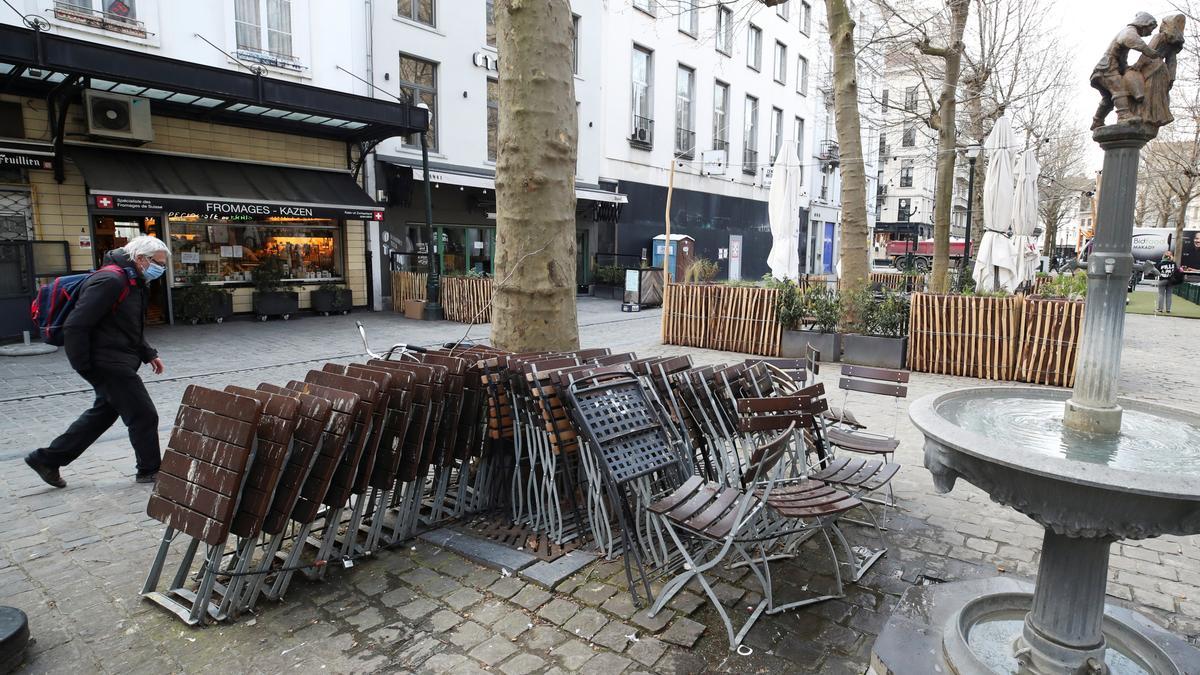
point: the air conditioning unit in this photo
(118, 116)
(642, 134)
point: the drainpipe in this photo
(374, 247)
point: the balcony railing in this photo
(642, 135)
(749, 161)
(830, 152)
(269, 58)
(720, 144)
(66, 11)
(685, 143)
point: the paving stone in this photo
(468, 635)
(513, 625)
(417, 609)
(493, 650)
(655, 623)
(531, 597)
(614, 636)
(620, 605)
(586, 623)
(522, 664)
(443, 620)
(444, 663)
(606, 663)
(482, 551)
(558, 611)
(549, 574)
(366, 619)
(462, 598)
(573, 654)
(481, 578)
(728, 593)
(430, 583)
(646, 651)
(594, 593)
(683, 632)
(545, 638)
(490, 612)
(506, 587)
(686, 603)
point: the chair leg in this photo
(697, 571)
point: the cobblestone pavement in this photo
(75, 559)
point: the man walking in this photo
(105, 344)
(1166, 273)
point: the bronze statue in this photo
(1139, 93)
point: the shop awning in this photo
(489, 182)
(124, 180)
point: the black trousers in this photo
(118, 394)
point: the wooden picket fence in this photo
(407, 286)
(728, 318)
(1021, 338)
(467, 299)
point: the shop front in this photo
(248, 212)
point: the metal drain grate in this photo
(499, 528)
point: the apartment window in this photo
(781, 64)
(782, 10)
(685, 133)
(647, 6)
(883, 104)
(805, 18)
(575, 44)
(754, 48)
(493, 118)
(418, 84)
(420, 11)
(750, 136)
(802, 76)
(724, 30)
(689, 17)
(903, 210)
(882, 146)
(798, 135)
(910, 99)
(490, 16)
(272, 35)
(910, 136)
(720, 116)
(906, 173)
(643, 80)
(776, 132)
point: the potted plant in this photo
(331, 298)
(879, 326)
(809, 317)
(609, 282)
(199, 302)
(269, 299)
(701, 271)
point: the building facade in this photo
(233, 135)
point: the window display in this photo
(221, 250)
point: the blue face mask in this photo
(154, 271)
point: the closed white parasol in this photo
(1024, 221)
(995, 251)
(783, 208)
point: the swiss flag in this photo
(104, 202)
(378, 215)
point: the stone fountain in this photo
(1090, 467)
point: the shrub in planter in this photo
(609, 282)
(330, 299)
(269, 299)
(878, 328)
(808, 317)
(200, 302)
(702, 270)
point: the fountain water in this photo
(1092, 469)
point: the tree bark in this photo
(534, 295)
(943, 193)
(855, 255)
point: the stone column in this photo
(1093, 405)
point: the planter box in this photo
(414, 309)
(222, 306)
(608, 292)
(329, 301)
(276, 303)
(880, 352)
(794, 343)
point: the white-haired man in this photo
(106, 344)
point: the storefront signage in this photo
(85, 243)
(486, 60)
(247, 211)
(25, 160)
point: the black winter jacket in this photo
(101, 334)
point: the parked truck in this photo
(922, 254)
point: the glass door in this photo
(113, 232)
(583, 272)
(466, 251)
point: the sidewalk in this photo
(75, 559)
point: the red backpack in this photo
(55, 301)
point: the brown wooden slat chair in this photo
(200, 482)
(877, 381)
(409, 481)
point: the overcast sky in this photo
(1088, 28)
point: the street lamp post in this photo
(433, 308)
(972, 152)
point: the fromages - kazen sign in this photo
(234, 210)
(239, 209)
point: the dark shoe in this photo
(47, 473)
(146, 477)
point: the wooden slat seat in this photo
(205, 463)
(313, 417)
(809, 499)
(858, 474)
(874, 445)
(420, 415)
(704, 509)
(276, 426)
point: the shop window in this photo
(264, 32)
(418, 84)
(493, 118)
(225, 250)
(420, 11)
